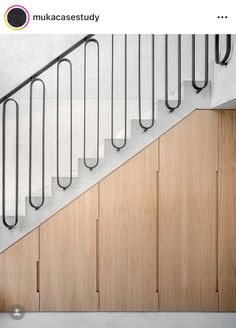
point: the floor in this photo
(121, 320)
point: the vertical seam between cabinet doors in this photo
(38, 268)
(37, 275)
(158, 224)
(157, 231)
(158, 154)
(217, 211)
(216, 232)
(97, 256)
(97, 249)
(218, 142)
(99, 207)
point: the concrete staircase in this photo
(220, 93)
(111, 161)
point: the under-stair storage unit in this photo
(157, 234)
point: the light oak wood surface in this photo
(227, 211)
(159, 233)
(68, 257)
(188, 215)
(18, 274)
(127, 223)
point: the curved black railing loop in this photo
(91, 167)
(226, 57)
(9, 226)
(118, 148)
(65, 60)
(172, 108)
(194, 84)
(145, 128)
(36, 207)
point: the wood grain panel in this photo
(128, 235)
(188, 215)
(227, 211)
(68, 257)
(18, 274)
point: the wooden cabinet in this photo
(227, 211)
(68, 257)
(188, 215)
(159, 233)
(18, 274)
(128, 235)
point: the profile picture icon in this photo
(17, 17)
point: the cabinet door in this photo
(227, 211)
(188, 216)
(128, 235)
(68, 257)
(18, 274)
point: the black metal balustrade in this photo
(36, 206)
(95, 42)
(9, 226)
(118, 147)
(226, 58)
(59, 60)
(167, 103)
(64, 60)
(6, 99)
(206, 57)
(146, 127)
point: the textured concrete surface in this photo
(121, 320)
(224, 82)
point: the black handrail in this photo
(46, 67)
(64, 187)
(118, 148)
(36, 207)
(226, 57)
(194, 84)
(85, 103)
(172, 108)
(145, 128)
(9, 226)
